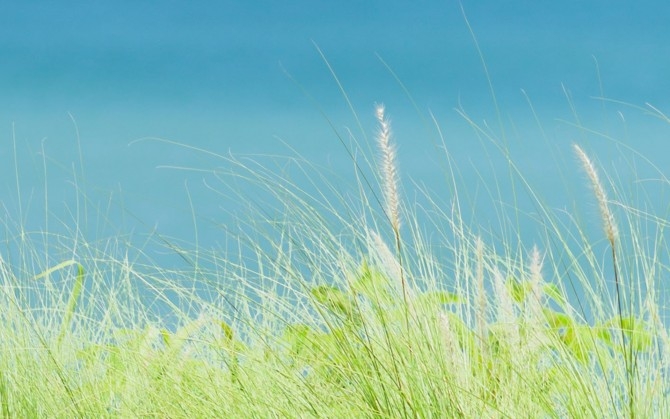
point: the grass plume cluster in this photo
(325, 319)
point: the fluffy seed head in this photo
(389, 169)
(605, 213)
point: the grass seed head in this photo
(389, 169)
(608, 218)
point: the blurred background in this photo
(81, 83)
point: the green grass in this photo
(344, 303)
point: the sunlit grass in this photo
(333, 307)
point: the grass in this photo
(343, 307)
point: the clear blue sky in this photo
(186, 55)
(214, 74)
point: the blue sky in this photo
(221, 54)
(215, 75)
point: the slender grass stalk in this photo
(314, 325)
(74, 296)
(480, 297)
(389, 171)
(612, 234)
(535, 270)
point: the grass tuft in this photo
(313, 314)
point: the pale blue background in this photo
(214, 75)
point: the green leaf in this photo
(466, 337)
(557, 320)
(580, 340)
(227, 330)
(554, 293)
(439, 298)
(636, 331)
(604, 333)
(334, 300)
(304, 342)
(74, 296)
(53, 269)
(372, 284)
(72, 301)
(166, 335)
(517, 289)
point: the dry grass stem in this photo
(389, 262)
(612, 235)
(506, 315)
(536, 294)
(480, 292)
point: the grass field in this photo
(347, 306)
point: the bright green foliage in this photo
(305, 329)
